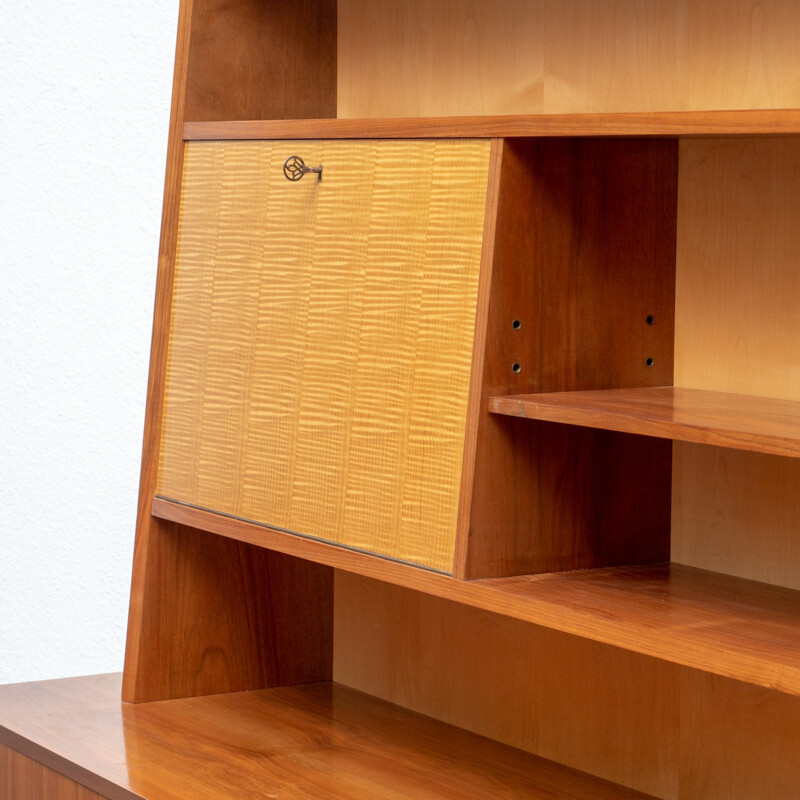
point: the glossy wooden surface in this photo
(398, 58)
(226, 616)
(302, 743)
(21, 778)
(725, 625)
(656, 123)
(741, 422)
(584, 252)
(255, 60)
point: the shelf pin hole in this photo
(516, 367)
(649, 362)
(516, 324)
(650, 319)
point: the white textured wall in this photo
(84, 109)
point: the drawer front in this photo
(321, 339)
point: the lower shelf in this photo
(716, 623)
(294, 743)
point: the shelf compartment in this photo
(716, 623)
(740, 422)
(303, 742)
(668, 123)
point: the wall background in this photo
(84, 112)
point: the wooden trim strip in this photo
(666, 123)
(474, 406)
(158, 350)
(719, 624)
(740, 422)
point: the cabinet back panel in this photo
(669, 731)
(452, 57)
(321, 339)
(254, 60)
(737, 330)
(593, 707)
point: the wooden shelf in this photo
(669, 123)
(292, 743)
(720, 624)
(741, 422)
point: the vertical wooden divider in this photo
(584, 255)
(274, 624)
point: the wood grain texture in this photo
(676, 732)
(739, 244)
(584, 252)
(439, 58)
(158, 349)
(254, 60)
(716, 623)
(677, 123)
(737, 744)
(737, 328)
(590, 706)
(740, 422)
(302, 743)
(321, 340)
(737, 513)
(24, 779)
(454, 57)
(222, 616)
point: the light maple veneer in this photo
(450, 57)
(321, 339)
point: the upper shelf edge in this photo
(663, 123)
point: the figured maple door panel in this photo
(321, 339)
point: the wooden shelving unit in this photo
(499, 422)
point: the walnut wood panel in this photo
(584, 254)
(716, 623)
(741, 422)
(554, 56)
(24, 779)
(737, 329)
(294, 743)
(254, 60)
(223, 616)
(321, 341)
(737, 513)
(663, 123)
(589, 706)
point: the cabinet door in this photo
(321, 339)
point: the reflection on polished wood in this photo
(298, 743)
(742, 422)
